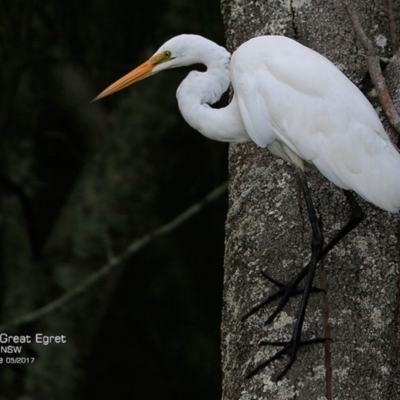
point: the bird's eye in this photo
(167, 54)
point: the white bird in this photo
(289, 99)
(302, 108)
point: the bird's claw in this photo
(290, 348)
(282, 285)
(286, 291)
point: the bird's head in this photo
(177, 52)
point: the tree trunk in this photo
(267, 228)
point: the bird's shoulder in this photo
(277, 60)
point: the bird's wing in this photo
(286, 91)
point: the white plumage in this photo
(289, 99)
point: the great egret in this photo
(300, 106)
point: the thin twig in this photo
(392, 26)
(374, 69)
(116, 261)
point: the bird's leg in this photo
(356, 217)
(290, 289)
(291, 347)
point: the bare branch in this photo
(116, 261)
(374, 69)
(392, 26)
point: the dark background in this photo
(129, 164)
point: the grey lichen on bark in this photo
(267, 228)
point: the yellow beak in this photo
(142, 71)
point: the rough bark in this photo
(267, 228)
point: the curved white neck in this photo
(200, 89)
